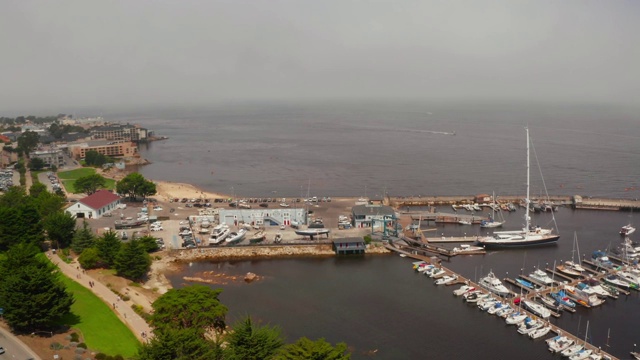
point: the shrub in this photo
(56, 346)
(118, 357)
(101, 356)
(367, 239)
(74, 337)
(82, 345)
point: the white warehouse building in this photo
(263, 216)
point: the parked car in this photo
(107, 214)
(156, 228)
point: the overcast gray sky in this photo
(68, 53)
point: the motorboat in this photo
(529, 325)
(627, 250)
(486, 303)
(528, 236)
(475, 296)
(515, 318)
(627, 230)
(284, 205)
(540, 332)
(437, 273)
(493, 284)
(463, 289)
(601, 260)
(525, 283)
(617, 280)
(313, 232)
(203, 231)
(581, 355)
(466, 248)
(572, 350)
(418, 264)
(447, 279)
(219, 234)
(559, 343)
(236, 237)
(629, 277)
(583, 297)
(636, 355)
(536, 308)
(425, 267)
(497, 306)
(205, 223)
(504, 311)
(465, 222)
(542, 277)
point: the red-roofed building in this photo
(4, 139)
(95, 205)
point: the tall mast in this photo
(526, 216)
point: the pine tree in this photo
(108, 246)
(60, 227)
(31, 293)
(83, 238)
(132, 261)
(252, 342)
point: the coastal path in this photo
(121, 308)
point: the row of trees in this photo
(189, 323)
(133, 185)
(31, 292)
(94, 158)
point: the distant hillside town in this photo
(56, 140)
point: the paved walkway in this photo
(121, 308)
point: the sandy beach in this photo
(170, 190)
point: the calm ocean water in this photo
(378, 302)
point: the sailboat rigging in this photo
(528, 235)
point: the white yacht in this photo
(219, 234)
(627, 230)
(528, 236)
(541, 276)
(536, 308)
(493, 284)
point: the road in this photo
(14, 348)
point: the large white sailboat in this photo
(528, 236)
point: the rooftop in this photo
(372, 210)
(100, 199)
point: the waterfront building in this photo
(104, 147)
(262, 217)
(368, 214)
(119, 132)
(95, 205)
(52, 157)
(350, 245)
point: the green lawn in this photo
(99, 326)
(69, 178)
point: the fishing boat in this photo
(536, 308)
(493, 284)
(313, 232)
(257, 237)
(219, 234)
(235, 237)
(528, 236)
(627, 230)
(559, 343)
(538, 333)
(542, 277)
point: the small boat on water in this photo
(583, 297)
(538, 333)
(465, 222)
(466, 248)
(551, 303)
(559, 343)
(562, 298)
(542, 277)
(497, 306)
(620, 282)
(475, 296)
(493, 284)
(536, 308)
(526, 284)
(504, 311)
(568, 271)
(572, 350)
(627, 230)
(581, 355)
(447, 279)
(487, 303)
(636, 355)
(529, 325)
(463, 289)
(601, 260)
(515, 318)
(437, 273)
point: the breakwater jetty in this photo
(575, 201)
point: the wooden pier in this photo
(531, 295)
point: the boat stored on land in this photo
(313, 232)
